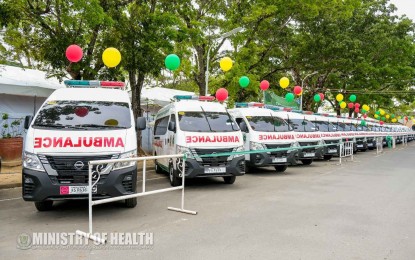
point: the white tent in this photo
(22, 91)
(160, 96)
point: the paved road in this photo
(360, 210)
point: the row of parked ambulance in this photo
(227, 143)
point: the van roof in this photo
(291, 115)
(195, 105)
(252, 111)
(90, 94)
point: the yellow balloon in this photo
(376, 116)
(111, 57)
(366, 107)
(225, 64)
(387, 116)
(339, 98)
(382, 112)
(394, 120)
(284, 82)
(343, 104)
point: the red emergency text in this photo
(47, 142)
(212, 139)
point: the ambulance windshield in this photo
(205, 121)
(83, 115)
(267, 124)
(325, 126)
(302, 125)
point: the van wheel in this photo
(229, 179)
(280, 168)
(44, 205)
(328, 157)
(157, 167)
(307, 161)
(174, 179)
(130, 203)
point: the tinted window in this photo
(206, 122)
(160, 127)
(325, 126)
(83, 114)
(302, 125)
(267, 124)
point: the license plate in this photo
(360, 146)
(309, 154)
(279, 160)
(69, 190)
(215, 169)
(332, 150)
(370, 144)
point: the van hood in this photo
(51, 141)
(226, 139)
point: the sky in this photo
(405, 7)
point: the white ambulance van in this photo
(306, 134)
(263, 130)
(89, 120)
(195, 126)
(329, 134)
(345, 127)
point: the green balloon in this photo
(317, 98)
(392, 116)
(363, 111)
(363, 123)
(383, 118)
(289, 97)
(377, 113)
(244, 81)
(172, 62)
(352, 98)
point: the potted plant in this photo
(11, 140)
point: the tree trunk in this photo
(136, 83)
(201, 72)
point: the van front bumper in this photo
(39, 186)
(272, 158)
(197, 169)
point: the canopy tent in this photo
(160, 96)
(22, 91)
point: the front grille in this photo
(79, 179)
(28, 188)
(128, 185)
(216, 160)
(311, 149)
(278, 146)
(74, 165)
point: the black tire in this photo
(130, 203)
(157, 167)
(174, 179)
(306, 161)
(229, 179)
(45, 205)
(249, 168)
(280, 168)
(328, 157)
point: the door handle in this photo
(157, 138)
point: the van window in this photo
(267, 124)
(71, 114)
(302, 125)
(160, 127)
(206, 122)
(173, 118)
(325, 126)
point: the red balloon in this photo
(357, 105)
(221, 94)
(381, 122)
(364, 115)
(81, 111)
(357, 110)
(297, 90)
(74, 53)
(321, 96)
(264, 85)
(350, 105)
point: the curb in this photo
(19, 184)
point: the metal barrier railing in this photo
(91, 202)
(379, 145)
(346, 150)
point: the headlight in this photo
(295, 145)
(257, 146)
(239, 149)
(321, 142)
(122, 165)
(183, 150)
(31, 161)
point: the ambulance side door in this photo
(160, 138)
(170, 147)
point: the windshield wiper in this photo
(59, 126)
(273, 121)
(204, 112)
(98, 126)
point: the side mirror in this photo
(317, 128)
(243, 127)
(290, 127)
(172, 126)
(27, 122)
(141, 123)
